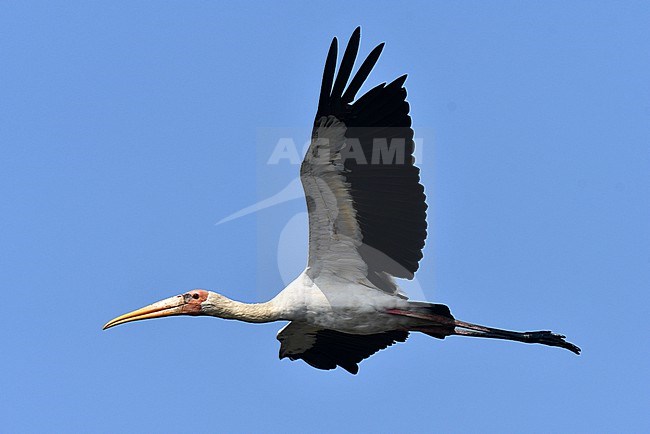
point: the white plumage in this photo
(367, 225)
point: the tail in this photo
(441, 321)
(437, 321)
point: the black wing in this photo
(327, 349)
(370, 167)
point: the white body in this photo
(335, 303)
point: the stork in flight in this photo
(367, 226)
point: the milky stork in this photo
(367, 226)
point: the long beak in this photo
(167, 307)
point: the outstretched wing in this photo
(367, 210)
(327, 349)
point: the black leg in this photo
(543, 337)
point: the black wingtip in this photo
(347, 63)
(362, 74)
(399, 81)
(328, 77)
(356, 33)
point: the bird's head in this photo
(194, 302)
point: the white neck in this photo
(223, 307)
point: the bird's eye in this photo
(195, 296)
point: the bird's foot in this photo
(547, 337)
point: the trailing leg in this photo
(544, 337)
(436, 320)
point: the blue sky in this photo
(128, 130)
